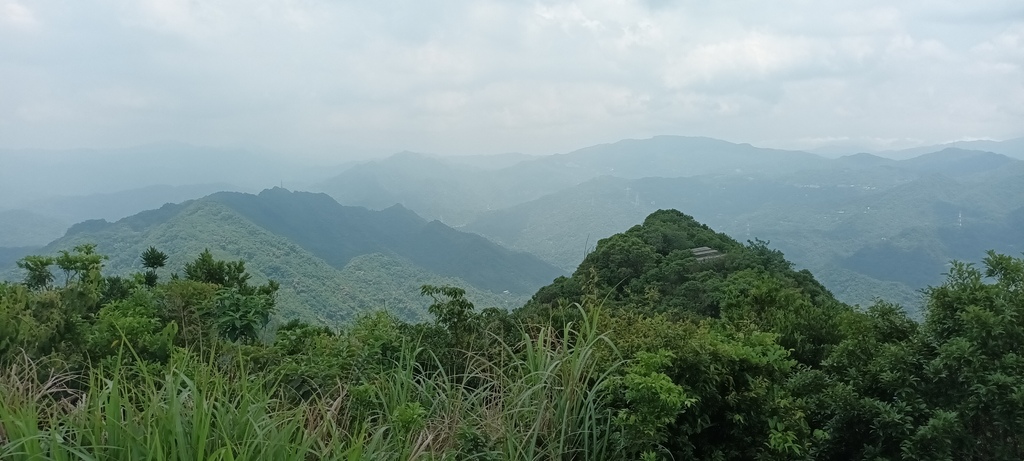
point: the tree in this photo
(451, 308)
(38, 275)
(152, 259)
(241, 317)
(455, 314)
(206, 269)
(80, 263)
(241, 310)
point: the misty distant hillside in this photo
(869, 226)
(116, 205)
(29, 175)
(438, 188)
(22, 228)
(332, 261)
(829, 215)
(956, 163)
(863, 160)
(42, 220)
(489, 162)
(1010, 147)
(454, 191)
(679, 156)
(559, 226)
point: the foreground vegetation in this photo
(643, 353)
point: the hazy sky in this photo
(497, 76)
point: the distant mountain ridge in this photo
(332, 261)
(113, 206)
(1010, 147)
(32, 174)
(681, 156)
(454, 192)
(955, 162)
(866, 224)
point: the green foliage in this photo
(240, 317)
(153, 258)
(768, 302)
(650, 403)
(206, 269)
(79, 264)
(310, 288)
(37, 271)
(651, 268)
(731, 383)
(450, 308)
(649, 355)
(241, 310)
(132, 324)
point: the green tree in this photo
(241, 317)
(80, 263)
(152, 259)
(131, 326)
(37, 271)
(450, 308)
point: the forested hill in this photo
(868, 227)
(332, 261)
(673, 265)
(337, 233)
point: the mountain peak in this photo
(956, 162)
(863, 159)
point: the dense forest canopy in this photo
(670, 341)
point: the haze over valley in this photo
(859, 221)
(496, 230)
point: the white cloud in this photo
(499, 75)
(14, 14)
(757, 56)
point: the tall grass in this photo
(539, 399)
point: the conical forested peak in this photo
(682, 264)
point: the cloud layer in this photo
(492, 76)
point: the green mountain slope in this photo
(557, 226)
(310, 287)
(337, 233)
(887, 239)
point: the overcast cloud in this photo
(497, 76)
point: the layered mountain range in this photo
(868, 226)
